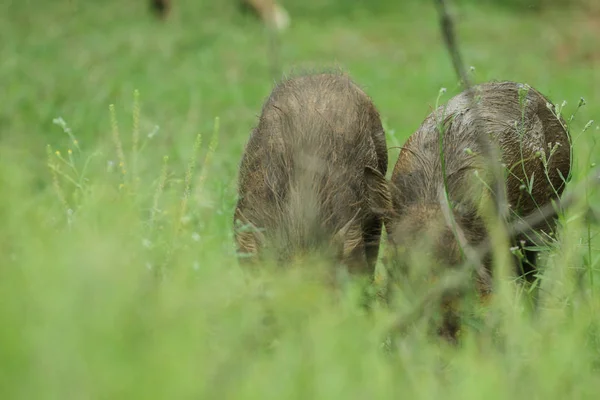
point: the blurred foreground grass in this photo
(111, 294)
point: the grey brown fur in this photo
(312, 175)
(523, 127)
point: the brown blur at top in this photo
(269, 11)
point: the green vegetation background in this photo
(82, 314)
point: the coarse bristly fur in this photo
(312, 178)
(524, 126)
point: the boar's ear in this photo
(379, 196)
(248, 237)
(349, 237)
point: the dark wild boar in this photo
(312, 178)
(519, 121)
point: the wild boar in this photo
(533, 144)
(312, 177)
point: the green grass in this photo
(105, 302)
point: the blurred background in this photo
(71, 58)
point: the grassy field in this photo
(118, 276)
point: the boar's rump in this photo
(534, 146)
(312, 177)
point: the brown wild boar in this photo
(524, 125)
(312, 178)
